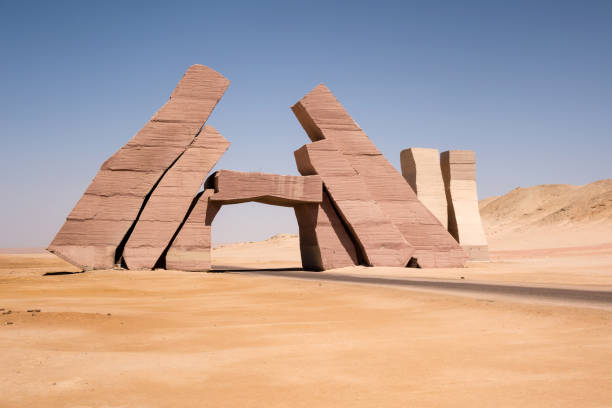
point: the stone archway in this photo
(324, 240)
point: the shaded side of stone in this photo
(421, 169)
(324, 241)
(191, 248)
(109, 207)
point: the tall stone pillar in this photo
(464, 223)
(421, 169)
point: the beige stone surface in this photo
(233, 187)
(421, 169)
(323, 117)
(324, 241)
(191, 248)
(380, 242)
(100, 220)
(166, 208)
(464, 223)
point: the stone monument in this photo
(144, 209)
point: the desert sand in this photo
(549, 216)
(259, 335)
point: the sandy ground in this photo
(271, 338)
(585, 266)
(237, 339)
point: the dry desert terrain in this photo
(531, 328)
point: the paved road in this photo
(539, 292)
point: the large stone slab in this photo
(102, 218)
(324, 118)
(233, 187)
(464, 223)
(324, 241)
(379, 241)
(421, 169)
(170, 201)
(191, 248)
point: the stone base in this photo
(86, 257)
(197, 260)
(478, 253)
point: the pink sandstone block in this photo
(233, 187)
(191, 249)
(380, 242)
(324, 241)
(100, 221)
(171, 199)
(324, 118)
(464, 223)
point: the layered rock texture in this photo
(191, 248)
(233, 187)
(325, 243)
(379, 240)
(464, 223)
(421, 169)
(144, 208)
(372, 198)
(169, 202)
(102, 218)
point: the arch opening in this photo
(252, 235)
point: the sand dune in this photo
(550, 215)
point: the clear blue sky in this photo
(526, 84)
